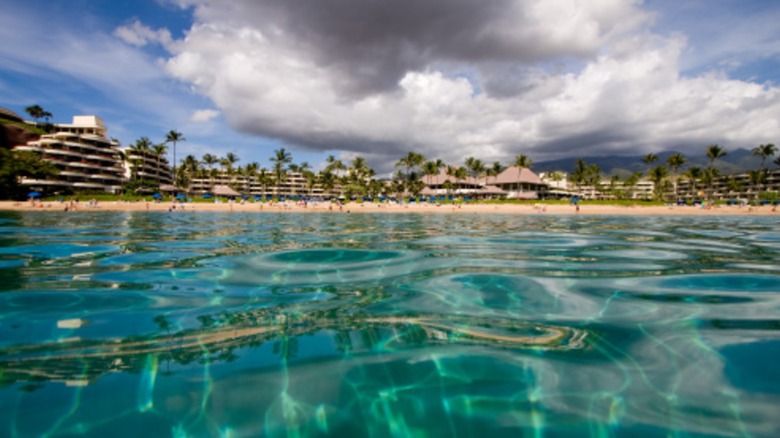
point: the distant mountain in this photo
(736, 161)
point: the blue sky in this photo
(490, 79)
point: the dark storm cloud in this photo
(371, 45)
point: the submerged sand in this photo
(326, 207)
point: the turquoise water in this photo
(262, 324)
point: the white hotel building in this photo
(84, 155)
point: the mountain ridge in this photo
(736, 161)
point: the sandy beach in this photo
(325, 207)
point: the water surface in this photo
(229, 324)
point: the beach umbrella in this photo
(207, 196)
(181, 196)
(157, 196)
(34, 195)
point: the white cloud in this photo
(140, 35)
(545, 78)
(203, 115)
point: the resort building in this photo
(146, 165)
(512, 183)
(520, 183)
(84, 155)
(736, 187)
(294, 185)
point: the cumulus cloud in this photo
(457, 78)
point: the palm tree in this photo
(227, 163)
(174, 136)
(579, 175)
(263, 178)
(757, 178)
(522, 161)
(496, 170)
(36, 112)
(593, 177)
(765, 151)
(430, 169)
(327, 181)
(410, 161)
(191, 168)
(479, 169)
(675, 162)
(280, 160)
(658, 175)
(694, 174)
(631, 182)
(460, 174)
(713, 153)
(311, 181)
(708, 177)
(334, 165)
(209, 160)
(158, 151)
(143, 147)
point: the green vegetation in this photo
(356, 179)
(15, 165)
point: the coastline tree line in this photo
(357, 178)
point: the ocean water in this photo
(404, 325)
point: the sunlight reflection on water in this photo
(326, 324)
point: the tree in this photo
(522, 161)
(765, 151)
(263, 178)
(593, 177)
(143, 147)
(708, 177)
(190, 168)
(174, 137)
(658, 175)
(496, 170)
(15, 165)
(430, 169)
(631, 182)
(37, 113)
(209, 160)
(675, 162)
(410, 161)
(334, 165)
(694, 174)
(158, 151)
(229, 161)
(460, 174)
(757, 178)
(476, 168)
(280, 159)
(713, 153)
(579, 175)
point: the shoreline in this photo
(325, 207)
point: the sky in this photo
(449, 79)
